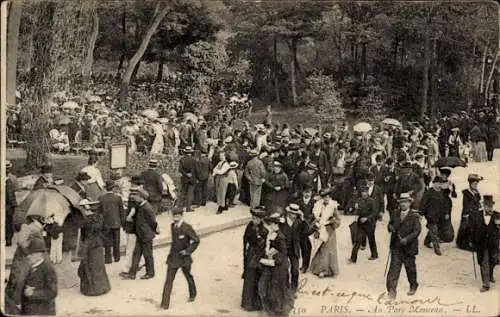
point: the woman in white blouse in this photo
(325, 261)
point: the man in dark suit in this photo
(10, 203)
(306, 204)
(367, 221)
(432, 208)
(291, 229)
(153, 184)
(203, 170)
(187, 168)
(146, 228)
(112, 210)
(379, 170)
(405, 228)
(184, 243)
(40, 285)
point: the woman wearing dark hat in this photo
(274, 285)
(254, 244)
(46, 178)
(325, 261)
(80, 184)
(92, 271)
(472, 214)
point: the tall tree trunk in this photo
(27, 68)
(138, 55)
(363, 62)
(13, 22)
(89, 58)
(275, 69)
(395, 55)
(425, 74)
(124, 41)
(37, 138)
(488, 81)
(483, 70)
(159, 74)
(136, 70)
(434, 79)
(292, 74)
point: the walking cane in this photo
(387, 262)
(474, 265)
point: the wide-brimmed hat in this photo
(253, 152)
(474, 178)
(188, 149)
(233, 164)
(82, 176)
(294, 209)
(274, 218)
(36, 245)
(229, 139)
(455, 129)
(277, 164)
(259, 211)
(405, 197)
(153, 163)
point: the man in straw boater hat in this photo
(487, 240)
(184, 243)
(291, 228)
(255, 173)
(405, 228)
(153, 184)
(187, 169)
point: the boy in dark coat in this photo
(487, 238)
(184, 243)
(112, 210)
(405, 228)
(40, 286)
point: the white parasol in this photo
(362, 127)
(391, 121)
(150, 114)
(70, 105)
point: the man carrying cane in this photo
(405, 228)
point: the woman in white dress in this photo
(220, 173)
(325, 261)
(158, 142)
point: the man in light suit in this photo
(255, 173)
(184, 243)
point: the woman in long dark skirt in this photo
(274, 285)
(254, 244)
(470, 209)
(92, 270)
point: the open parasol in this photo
(45, 203)
(70, 105)
(362, 127)
(391, 121)
(150, 114)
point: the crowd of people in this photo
(296, 181)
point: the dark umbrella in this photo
(450, 161)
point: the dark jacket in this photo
(153, 184)
(408, 229)
(471, 201)
(187, 169)
(432, 206)
(44, 279)
(378, 196)
(80, 189)
(10, 195)
(254, 244)
(183, 238)
(292, 235)
(112, 210)
(367, 209)
(203, 168)
(145, 222)
(379, 174)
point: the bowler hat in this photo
(488, 200)
(258, 211)
(47, 168)
(37, 245)
(274, 218)
(110, 185)
(474, 178)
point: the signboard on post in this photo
(118, 154)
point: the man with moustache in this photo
(306, 204)
(405, 228)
